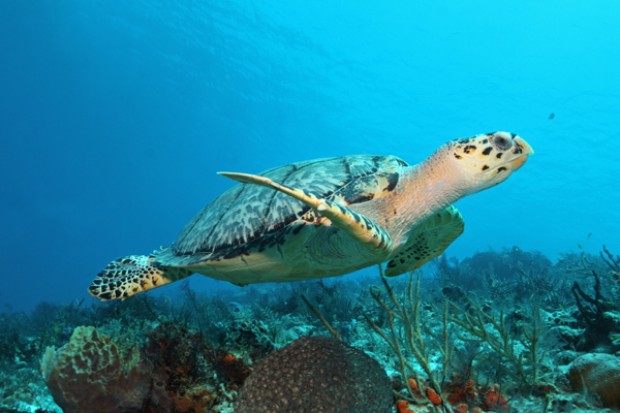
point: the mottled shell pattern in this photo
(252, 218)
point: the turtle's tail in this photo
(131, 275)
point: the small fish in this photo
(551, 116)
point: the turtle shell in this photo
(246, 216)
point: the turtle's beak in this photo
(523, 151)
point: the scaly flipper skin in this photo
(356, 225)
(131, 275)
(427, 241)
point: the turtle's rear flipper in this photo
(360, 227)
(131, 275)
(428, 240)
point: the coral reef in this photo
(91, 373)
(497, 331)
(97, 374)
(316, 374)
(597, 314)
(494, 335)
(598, 374)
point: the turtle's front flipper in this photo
(131, 275)
(357, 225)
(428, 240)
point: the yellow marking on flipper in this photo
(358, 226)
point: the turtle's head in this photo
(486, 160)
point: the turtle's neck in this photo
(423, 190)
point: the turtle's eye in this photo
(502, 142)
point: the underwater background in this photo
(116, 115)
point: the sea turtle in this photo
(325, 217)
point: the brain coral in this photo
(91, 374)
(598, 373)
(318, 375)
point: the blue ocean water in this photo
(115, 116)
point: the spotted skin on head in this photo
(131, 275)
(496, 155)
